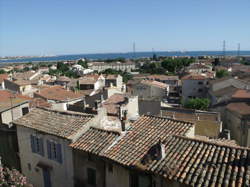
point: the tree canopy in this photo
(221, 73)
(197, 103)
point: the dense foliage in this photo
(198, 103)
(221, 73)
(84, 64)
(63, 70)
(12, 178)
(175, 65)
(125, 75)
(2, 71)
(168, 65)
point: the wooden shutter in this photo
(32, 143)
(59, 152)
(49, 149)
(41, 146)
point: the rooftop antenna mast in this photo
(224, 49)
(134, 50)
(238, 50)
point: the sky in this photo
(53, 27)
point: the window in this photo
(91, 176)
(37, 145)
(140, 180)
(110, 168)
(54, 151)
(25, 110)
(200, 90)
(200, 82)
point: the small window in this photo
(54, 151)
(200, 83)
(91, 176)
(37, 145)
(200, 90)
(25, 110)
(110, 168)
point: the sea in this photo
(129, 55)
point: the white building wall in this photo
(61, 174)
(16, 112)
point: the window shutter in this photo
(41, 146)
(32, 143)
(49, 149)
(59, 152)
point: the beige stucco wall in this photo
(83, 161)
(16, 111)
(61, 174)
(118, 178)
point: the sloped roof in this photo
(58, 123)
(240, 108)
(194, 77)
(154, 83)
(242, 94)
(203, 163)
(58, 93)
(95, 140)
(2, 77)
(9, 100)
(143, 134)
(162, 77)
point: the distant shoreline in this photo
(103, 56)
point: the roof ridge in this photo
(163, 117)
(105, 130)
(222, 144)
(65, 112)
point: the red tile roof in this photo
(59, 123)
(113, 102)
(240, 108)
(162, 77)
(154, 83)
(194, 77)
(95, 140)
(2, 77)
(194, 162)
(57, 93)
(242, 94)
(143, 134)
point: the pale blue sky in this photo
(38, 27)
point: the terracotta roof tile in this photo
(143, 134)
(154, 83)
(240, 108)
(2, 77)
(162, 77)
(58, 123)
(196, 162)
(242, 94)
(95, 140)
(194, 77)
(57, 93)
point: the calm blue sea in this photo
(124, 55)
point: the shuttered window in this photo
(37, 145)
(54, 151)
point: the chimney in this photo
(123, 118)
(97, 104)
(163, 151)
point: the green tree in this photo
(197, 103)
(84, 64)
(2, 71)
(62, 67)
(221, 73)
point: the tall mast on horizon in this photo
(238, 50)
(134, 50)
(224, 49)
